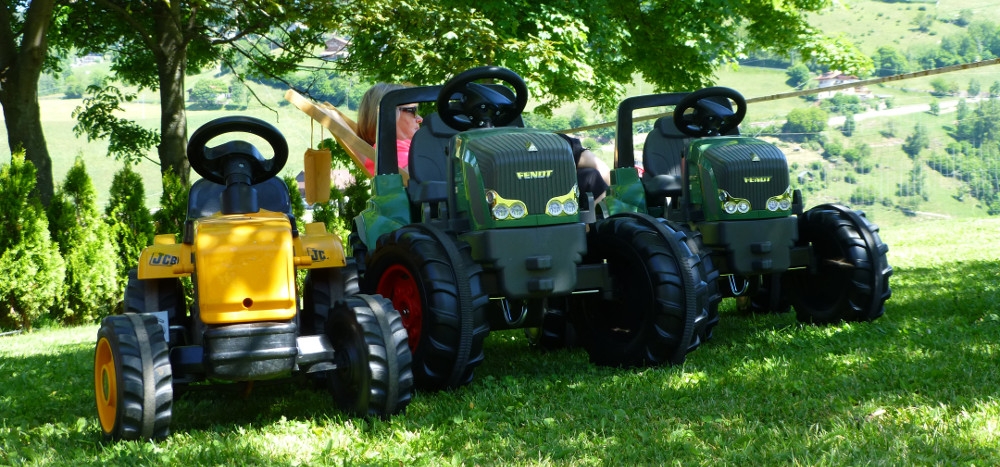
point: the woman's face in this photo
(408, 121)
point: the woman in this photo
(407, 122)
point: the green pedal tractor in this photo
(732, 194)
(491, 232)
(246, 321)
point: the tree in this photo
(83, 240)
(128, 218)
(849, 125)
(798, 75)
(24, 53)
(206, 93)
(974, 87)
(923, 21)
(592, 50)
(565, 50)
(155, 44)
(888, 61)
(807, 122)
(943, 87)
(31, 268)
(917, 141)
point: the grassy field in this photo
(915, 387)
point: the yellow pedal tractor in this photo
(246, 322)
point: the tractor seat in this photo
(428, 164)
(205, 197)
(663, 159)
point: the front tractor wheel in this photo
(374, 375)
(132, 378)
(851, 278)
(434, 283)
(656, 298)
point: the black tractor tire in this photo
(152, 295)
(132, 378)
(850, 281)
(321, 289)
(708, 316)
(656, 295)
(374, 376)
(436, 286)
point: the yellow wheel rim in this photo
(105, 385)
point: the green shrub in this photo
(298, 205)
(83, 240)
(31, 269)
(173, 206)
(129, 220)
(863, 196)
(346, 203)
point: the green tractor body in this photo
(491, 232)
(734, 193)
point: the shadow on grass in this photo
(885, 389)
(49, 414)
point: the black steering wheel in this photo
(708, 116)
(236, 160)
(463, 104)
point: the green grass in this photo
(915, 387)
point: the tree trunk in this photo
(24, 127)
(170, 51)
(20, 68)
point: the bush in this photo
(83, 241)
(173, 206)
(209, 93)
(298, 205)
(31, 269)
(129, 221)
(863, 196)
(344, 205)
(807, 122)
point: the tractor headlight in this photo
(743, 206)
(554, 208)
(518, 210)
(570, 206)
(733, 205)
(781, 202)
(565, 205)
(502, 208)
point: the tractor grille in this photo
(754, 172)
(528, 166)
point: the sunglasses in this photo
(410, 110)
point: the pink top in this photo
(402, 156)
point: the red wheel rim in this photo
(399, 286)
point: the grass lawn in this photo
(916, 387)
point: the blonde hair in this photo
(368, 109)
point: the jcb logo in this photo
(317, 256)
(162, 259)
(534, 174)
